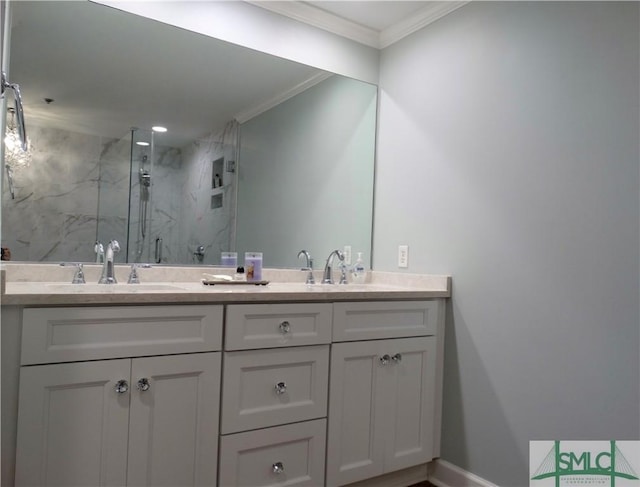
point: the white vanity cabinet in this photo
(305, 394)
(383, 410)
(274, 395)
(144, 421)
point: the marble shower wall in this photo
(213, 228)
(75, 177)
(113, 195)
(163, 206)
(54, 214)
(180, 202)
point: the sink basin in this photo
(112, 288)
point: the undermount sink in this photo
(112, 288)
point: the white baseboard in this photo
(445, 474)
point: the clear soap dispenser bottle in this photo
(359, 272)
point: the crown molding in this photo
(276, 100)
(417, 21)
(335, 24)
(316, 17)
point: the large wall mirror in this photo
(260, 153)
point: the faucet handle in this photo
(78, 276)
(133, 275)
(98, 248)
(343, 273)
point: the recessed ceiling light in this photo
(143, 143)
(159, 129)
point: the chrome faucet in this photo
(108, 271)
(309, 267)
(327, 277)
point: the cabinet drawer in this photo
(74, 334)
(269, 387)
(291, 455)
(277, 325)
(385, 319)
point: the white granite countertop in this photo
(49, 284)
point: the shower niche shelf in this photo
(217, 170)
(216, 200)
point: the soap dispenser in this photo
(359, 271)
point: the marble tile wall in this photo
(53, 216)
(113, 194)
(213, 228)
(76, 190)
(163, 206)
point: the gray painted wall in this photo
(306, 175)
(517, 126)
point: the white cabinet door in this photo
(173, 437)
(381, 407)
(73, 425)
(408, 435)
(356, 449)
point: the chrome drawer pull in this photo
(122, 386)
(278, 468)
(384, 360)
(285, 327)
(397, 358)
(144, 385)
(281, 388)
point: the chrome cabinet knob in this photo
(281, 388)
(277, 468)
(384, 360)
(122, 386)
(143, 384)
(397, 358)
(285, 327)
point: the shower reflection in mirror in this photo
(142, 159)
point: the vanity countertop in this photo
(283, 286)
(38, 293)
